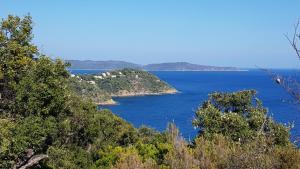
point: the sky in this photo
(236, 33)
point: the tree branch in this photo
(33, 160)
(295, 38)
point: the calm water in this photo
(194, 87)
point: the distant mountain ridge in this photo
(105, 65)
(184, 66)
(171, 66)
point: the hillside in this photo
(172, 66)
(90, 92)
(119, 83)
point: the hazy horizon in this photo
(216, 33)
(255, 67)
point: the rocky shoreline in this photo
(125, 93)
(132, 94)
(107, 103)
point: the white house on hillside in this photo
(91, 82)
(98, 77)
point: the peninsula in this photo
(102, 87)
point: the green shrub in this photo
(240, 117)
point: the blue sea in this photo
(194, 87)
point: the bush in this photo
(240, 117)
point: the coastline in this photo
(204, 70)
(132, 94)
(243, 70)
(107, 103)
(111, 102)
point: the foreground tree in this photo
(235, 131)
(40, 116)
(240, 117)
(290, 84)
(16, 56)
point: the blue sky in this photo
(211, 32)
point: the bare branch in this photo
(33, 160)
(295, 38)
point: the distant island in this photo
(172, 66)
(100, 88)
(184, 66)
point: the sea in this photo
(194, 88)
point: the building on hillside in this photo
(98, 77)
(91, 82)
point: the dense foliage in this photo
(45, 124)
(88, 91)
(239, 116)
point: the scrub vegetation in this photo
(44, 123)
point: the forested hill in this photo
(172, 66)
(119, 83)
